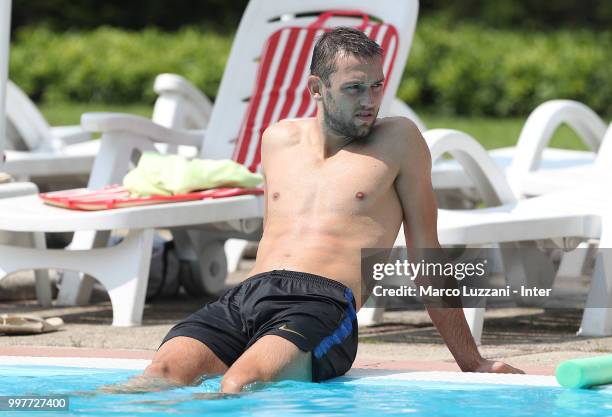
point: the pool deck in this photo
(532, 339)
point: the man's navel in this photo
(275, 196)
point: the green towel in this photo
(171, 174)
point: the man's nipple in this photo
(360, 195)
(275, 196)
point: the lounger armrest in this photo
(604, 157)
(69, 135)
(175, 84)
(484, 173)
(141, 126)
(180, 103)
(16, 189)
(542, 124)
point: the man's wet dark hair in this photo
(340, 41)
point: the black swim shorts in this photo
(316, 314)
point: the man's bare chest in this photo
(348, 182)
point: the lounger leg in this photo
(475, 319)
(369, 316)
(233, 251)
(573, 262)
(123, 269)
(76, 287)
(126, 280)
(43, 285)
(526, 266)
(110, 165)
(41, 275)
(597, 317)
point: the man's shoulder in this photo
(400, 135)
(399, 126)
(284, 132)
(403, 144)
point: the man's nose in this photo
(368, 98)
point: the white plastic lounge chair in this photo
(582, 212)
(579, 213)
(530, 164)
(123, 269)
(16, 189)
(35, 149)
(28, 128)
(5, 24)
(533, 169)
(524, 175)
(180, 104)
(7, 190)
(35, 240)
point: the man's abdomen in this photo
(327, 247)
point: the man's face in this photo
(352, 98)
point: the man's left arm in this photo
(414, 188)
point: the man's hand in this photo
(497, 368)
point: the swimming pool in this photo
(417, 394)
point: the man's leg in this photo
(271, 358)
(179, 361)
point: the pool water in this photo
(355, 397)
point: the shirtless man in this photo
(337, 183)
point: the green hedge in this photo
(471, 71)
(113, 66)
(466, 70)
(135, 15)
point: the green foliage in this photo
(461, 69)
(526, 14)
(498, 132)
(470, 70)
(113, 66)
(222, 14)
(162, 14)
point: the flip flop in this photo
(26, 324)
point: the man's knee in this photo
(234, 382)
(163, 368)
(182, 361)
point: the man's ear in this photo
(315, 85)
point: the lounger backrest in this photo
(27, 127)
(262, 23)
(281, 87)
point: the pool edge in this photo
(355, 376)
(368, 364)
